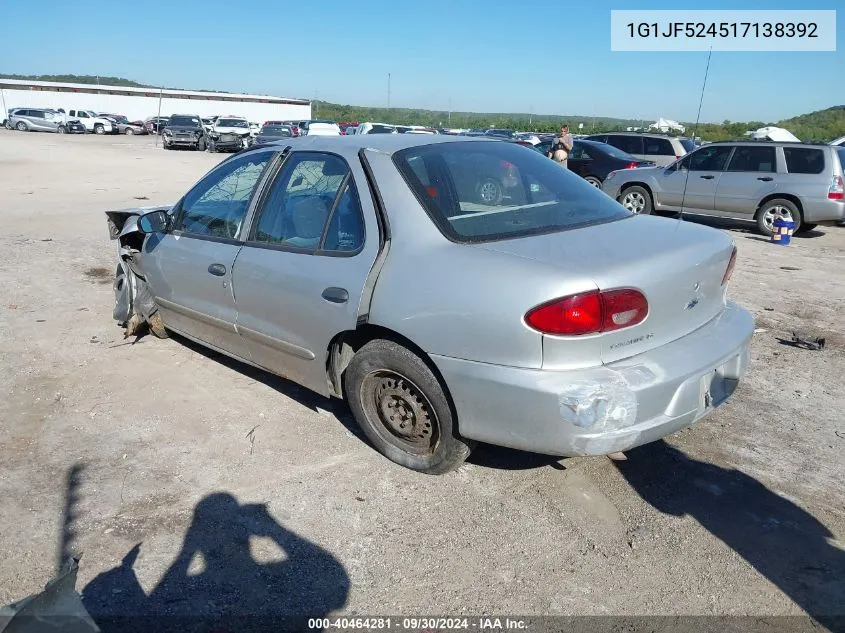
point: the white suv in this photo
(92, 122)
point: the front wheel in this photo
(62, 130)
(403, 409)
(636, 199)
(99, 129)
(201, 145)
(778, 207)
(212, 146)
(129, 131)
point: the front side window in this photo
(710, 158)
(82, 115)
(747, 158)
(483, 191)
(217, 205)
(312, 205)
(801, 160)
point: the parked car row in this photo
(70, 122)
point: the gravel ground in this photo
(203, 483)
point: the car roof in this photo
(755, 143)
(386, 143)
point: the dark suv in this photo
(185, 130)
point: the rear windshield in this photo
(803, 160)
(612, 151)
(485, 191)
(687, 144)
(382, 129)
(232, 123)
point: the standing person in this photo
(562, 146)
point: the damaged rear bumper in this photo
(604, 409)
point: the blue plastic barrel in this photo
(782, 231)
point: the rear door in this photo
(749, 177)
(300, 277)
(190, 268)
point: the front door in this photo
(189, 269)
(692, 182)
(300, 276)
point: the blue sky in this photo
(549, 57)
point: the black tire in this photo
(636, 199)
(157, 326)
(129, 131)
(489, 191)
(21, 127)
(99, 129)
(212, 146)
(201, 145)
(766, 213)
(62, 129)
(806, 227)
(594, 181)
(386, 378)
(165, 144)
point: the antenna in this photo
(695, 131)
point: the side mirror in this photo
(154, 222)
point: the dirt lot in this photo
(174, 448)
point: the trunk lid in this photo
(678, 266)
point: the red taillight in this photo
(730, 269)
(590, 313)
(677, 158)
(837, 189)
(631, 166)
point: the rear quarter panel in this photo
(454, 299)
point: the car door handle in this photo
(217, 269)
(336, 295)
(707, 177)
(765, 178)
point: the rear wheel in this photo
(403, 408)
(593, 181)
(786, 209)
(636, 199)
(21, 126)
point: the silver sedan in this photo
(451, 290)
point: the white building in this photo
(667, 125)
(140, 103)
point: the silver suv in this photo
(753, 180)
(34, 120)
(660, 148)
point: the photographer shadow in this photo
(216, 584)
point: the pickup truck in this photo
(92, 121)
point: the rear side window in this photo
(483, 191)
(803, 160)
(312, 205)
(630, 144)
(841, 152)
(658, 147)
(687, 144)
(753, 159)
